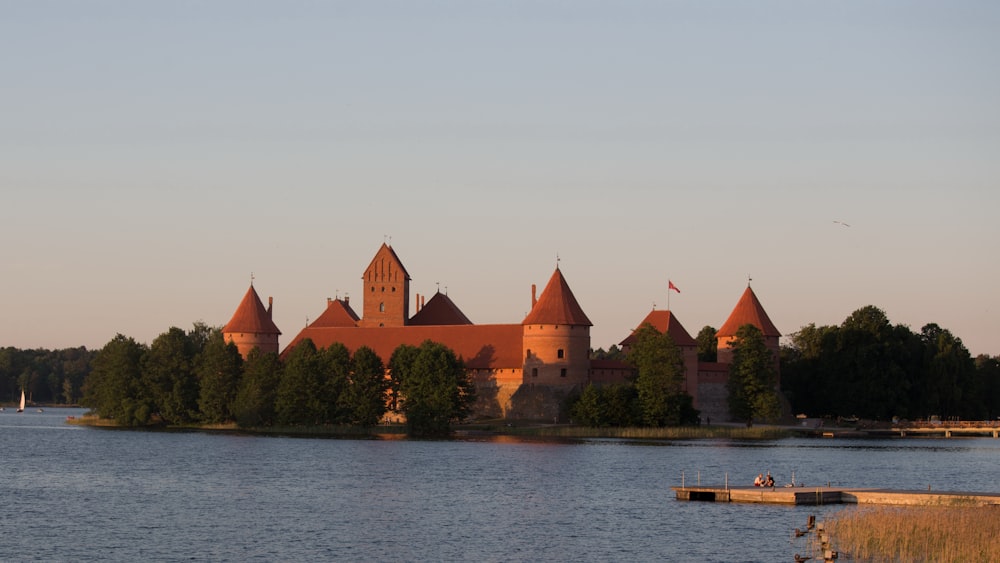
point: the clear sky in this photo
(154, 154)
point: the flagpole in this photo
(668, 294)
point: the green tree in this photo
(301, 398)
(949, 377)
(218, 367)
(255, 397)
(400, 365)
(113, 389)
(169, 379)
(435, 391)
(365, 396)
(336, 373)
(752, 378)
(660, 377)
(589, 408)
(708, 344)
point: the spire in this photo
(748, 311)
(557, 305)
(251, 317)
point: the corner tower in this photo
(251, 326)
(556, 337)
(386, 290)
(747, 311)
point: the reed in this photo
(666, 433)
(924, 533)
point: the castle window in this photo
(394, 290)
(528, 354)
(562, 372)
(381, 307)
(373, 289)
(560, 354)
(534, 372)
(383, 289)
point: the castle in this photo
(521, 371)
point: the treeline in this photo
(197, 378)
(870, 368)
(46, 376)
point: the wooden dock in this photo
(833, 495)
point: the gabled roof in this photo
(251, 317)
(664, 322)
(386, 251)
(557, 305)
(337, 313)
(440, 310)
(748, 311)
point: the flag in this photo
(672, 286)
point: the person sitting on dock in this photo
(759, 481)
(770, 480)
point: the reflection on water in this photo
(75, 493)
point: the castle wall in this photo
(245, 342)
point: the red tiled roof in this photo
(481, 346)
(748, 311)
(337, 313)
(384, 250)
(666, 323)
(557, 305)
(251, 317)
(440, 310)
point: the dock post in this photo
(727, 480)
(682, 479)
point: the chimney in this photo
(270, 303)
(422, 297)
(418, 302)
(533, 298)
(347, 299)
(328, 302)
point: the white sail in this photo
(21, 408)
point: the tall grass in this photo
(925, 533)
(668, 433)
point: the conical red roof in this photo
(666, 323)
(440, 310)
(748, 311)
(251, 317)
(557, 305)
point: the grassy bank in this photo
(670, 433)
(917, 533)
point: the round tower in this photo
(251, 326)
(556, 337)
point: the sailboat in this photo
(21, 408)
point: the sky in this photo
(154, 155)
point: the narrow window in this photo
(381, 307)
(560, 354)
(528, 354)
(562, 372)
(534, 372)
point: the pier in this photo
(833, 495)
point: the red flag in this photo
(672, 286)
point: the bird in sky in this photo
(841, 223)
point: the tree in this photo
(365, 396)
(949, 376)
(660, 378)
(113, 388)
(301, 398)
(708, 344)
(435, 390)
(218, 368)
(255, 397)
(589, 408)
(169, 379)
(400, 365)
(752, 378)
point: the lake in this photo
(74, 493)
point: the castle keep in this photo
(522, 370)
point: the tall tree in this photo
(168, 375)
(301, 397)
(114, 387)
(660, 378)
(255, 397)
(218, 367)
(752, 378)
(400, 366)
(435, 390)
(365, 396)
(708, 344)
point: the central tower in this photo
(387, 291)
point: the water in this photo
(72, 493)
